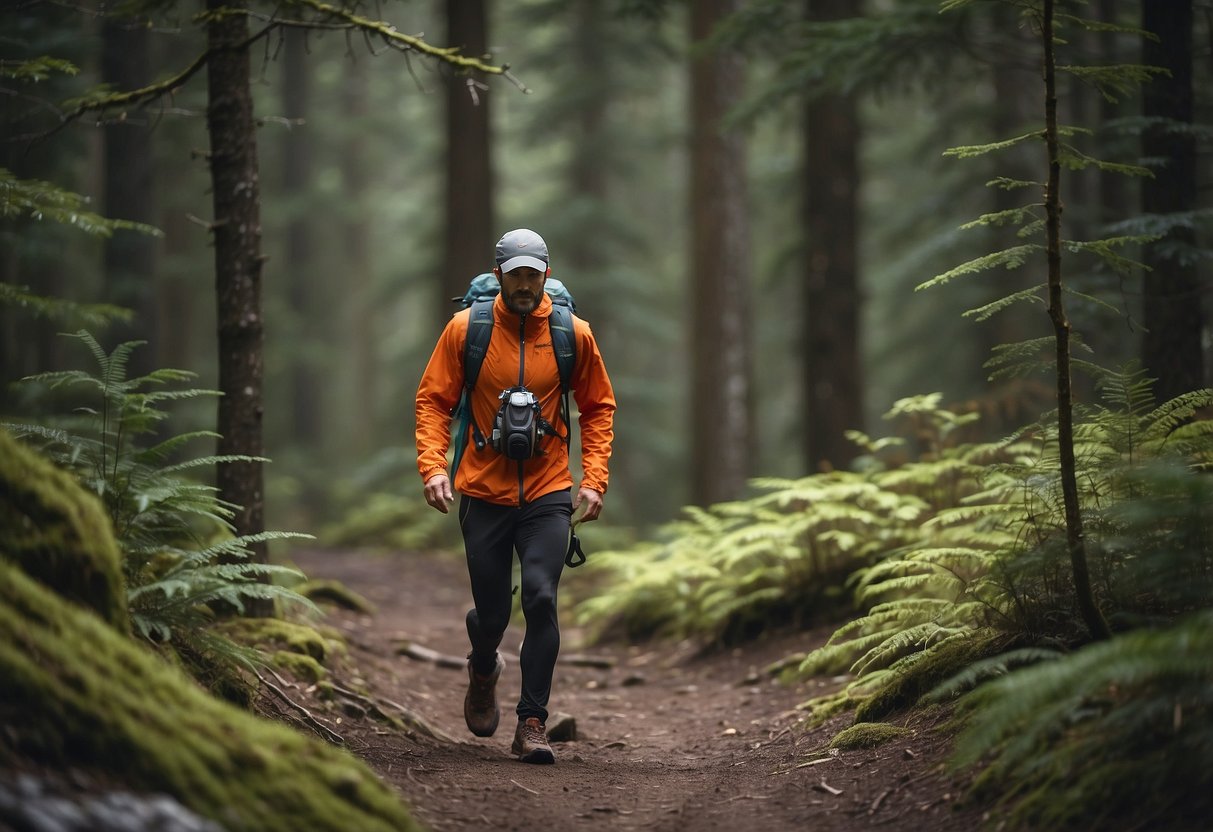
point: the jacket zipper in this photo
(521, 374)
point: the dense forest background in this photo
(386, 178)
(905, 303)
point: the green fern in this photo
(1081, 739)
(179, 555)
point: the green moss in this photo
(298, 665)
(274, 632)
(336, 593)
(867, 735)
(924, 672)
(58, 533)
(90, 698)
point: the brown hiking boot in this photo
(531, 743)
(480, 710)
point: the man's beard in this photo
(521, 302)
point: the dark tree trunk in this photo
(721, 419)
(237, 241)
(130, 257)
(296, 174)
(833, 370)
(357, 252)
(1075, 541)
(1173, 315)
(469, 238)
(587, 173)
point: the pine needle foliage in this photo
(179, 556)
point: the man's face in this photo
(522, 288)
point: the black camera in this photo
(517, 428)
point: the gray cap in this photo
(522, 247)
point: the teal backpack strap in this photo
(475, 348)
(564, 346)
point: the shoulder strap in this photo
(476, 345)
(564, 346)
(475, 348)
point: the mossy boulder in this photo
(287, 635)
(302, 667)
(79, 695)
(58, 533)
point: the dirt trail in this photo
(667, 739)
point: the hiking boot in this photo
(480, 710)
(531, 743)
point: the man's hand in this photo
(438, 492)
(593, 503)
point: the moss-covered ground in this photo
(58, 532)
(78, 694)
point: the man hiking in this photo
(513, 471)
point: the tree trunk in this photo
(833, 379)
(237, 241)
(130, 256)
(357, 256)
(300, 253)
(587, 173)
(1174, 320)
(1075, 542)
(469, 233)
(722, 439)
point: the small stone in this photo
(633, 679)
(561, 727)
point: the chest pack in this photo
(518, 427)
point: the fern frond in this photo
(1031, 294)
(1009, 258)
(972, 150)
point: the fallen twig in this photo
(425, 654)
(524, 788)
(823, 786)
(879, 799)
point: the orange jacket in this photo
(487, 474)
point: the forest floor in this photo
(668, 737)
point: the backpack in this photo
(479, 297)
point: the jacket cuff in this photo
(429, 472)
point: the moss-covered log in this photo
(78, 694)
(58, 533)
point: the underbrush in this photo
(957, 565)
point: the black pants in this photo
(539, 531)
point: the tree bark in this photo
(469, 237)
(833, 380)
(1172, 296)
(130, 256)
(1075, 542)
(238, 261)
(722, 439)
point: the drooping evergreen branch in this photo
(345, 19)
